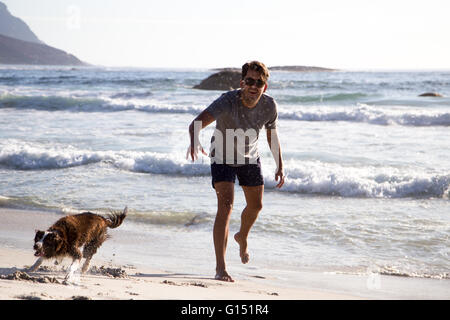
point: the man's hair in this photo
(255, 66)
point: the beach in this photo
(363, 213)
(115, 278)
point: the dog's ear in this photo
(39, 235)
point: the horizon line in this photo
(368, 69)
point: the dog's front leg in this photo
(36, 264)
(73, 267)
(86, 264)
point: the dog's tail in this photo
(115, 219)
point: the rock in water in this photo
(223, 80)
(430, 94)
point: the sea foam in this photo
(25, 156)
(315, 177)
(118, 103)
(368, 114)
(305, 177)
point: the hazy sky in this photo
(344, 34)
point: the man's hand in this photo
(279, 174)
(200, 122)
(193, 152)
(275, 148)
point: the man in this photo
(239, 115)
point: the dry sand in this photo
(105, 281)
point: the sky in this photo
(344, 34)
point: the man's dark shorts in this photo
(249, 175)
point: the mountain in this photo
(13, 27)
(19, 45)
(14, 51)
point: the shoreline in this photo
(141, 281)
(106, 281)
(135, 281)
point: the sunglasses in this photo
(250, 82)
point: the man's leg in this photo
(253, 197)
(225, 198)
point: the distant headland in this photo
(19, 45)
(301, 69)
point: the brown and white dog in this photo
(68, 234)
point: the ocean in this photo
(367, 163)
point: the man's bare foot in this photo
(223, 276)
(245, 257)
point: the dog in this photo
(67, 235)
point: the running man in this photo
(239, 115)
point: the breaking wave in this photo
(113, 104)
(367, 114)
(57, 103)
(29, 157)
(361, 113)
(307, 177)
(132, 94)
(365, 182)
(329, 98)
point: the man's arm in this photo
(275, 148)
(201, 121)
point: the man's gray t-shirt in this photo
(235, 140)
